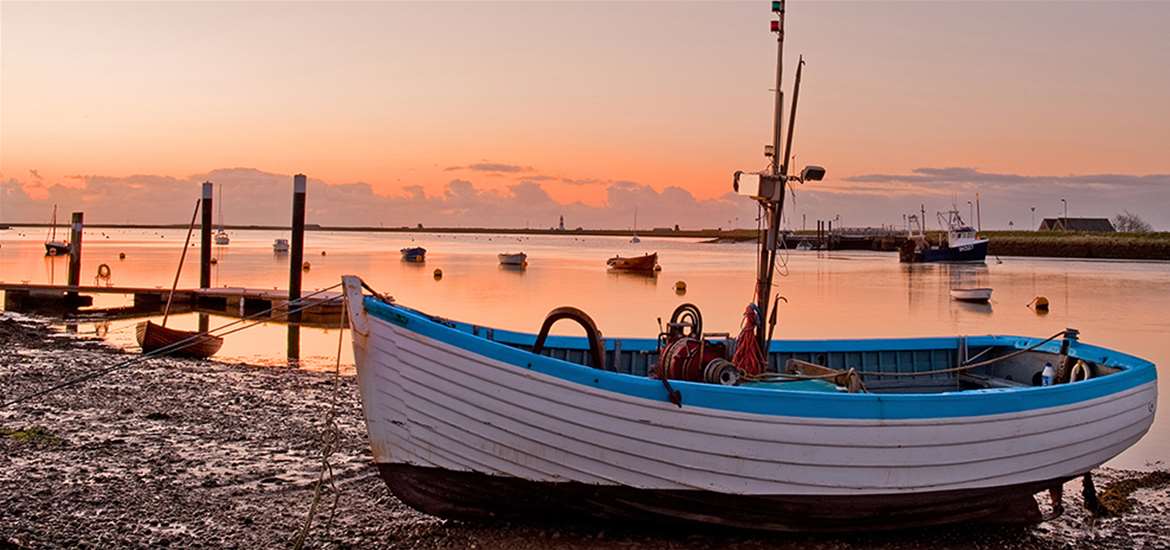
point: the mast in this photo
(773, 208)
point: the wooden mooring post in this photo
(75, 232)
(297, 252)
(205, 237)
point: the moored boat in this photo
(415, 254)
(517, 259)
(280, 246)
(466, 421)
(53, 246)
(646, 263)
(221, 236)
(962, 244)
(184, 343)
(973, 295)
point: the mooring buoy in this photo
(680, 287)
(438, 273)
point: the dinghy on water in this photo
(646, 263)
(518, 259)
(692, 427)
(415, 254)
(972, 295)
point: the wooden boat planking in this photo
(153, 337)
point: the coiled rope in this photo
(176, 345)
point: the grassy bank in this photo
(1122, 246)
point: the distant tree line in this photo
(1127, 222)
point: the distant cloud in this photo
(960, 175)
(493, 167)
(581, 181)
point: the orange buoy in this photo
(305, 266)
(438, 273)
(680, 287)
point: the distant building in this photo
(562, 226)
(1097, 225)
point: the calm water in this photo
(1122, 305)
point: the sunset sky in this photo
(512, 113)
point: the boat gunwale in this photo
(1133, 372)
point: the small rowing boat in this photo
(647, 263)
(414, 254)
(518, 259)
(973, 295)
(182, 343)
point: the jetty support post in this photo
(205, 237)
(296, 254)
(75, 232)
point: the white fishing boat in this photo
(517, 259)
(221, 236)
(471, 422)
(280, 246)
(974, 295)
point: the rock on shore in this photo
(192, 454)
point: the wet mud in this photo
(202, 454)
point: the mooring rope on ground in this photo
(178, 345)
(330, 441)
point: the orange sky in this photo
(393, 94)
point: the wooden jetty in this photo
(323, 309)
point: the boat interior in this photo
(899, 365)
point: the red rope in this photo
(748, 357)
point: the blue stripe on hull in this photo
(785, 402)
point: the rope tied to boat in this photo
(330, 441)
(748, 357)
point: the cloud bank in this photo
(256, 197)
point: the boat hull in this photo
(462, 495)
(153, 337)
(971, 295)
(455, 417)
(646, 264)
(414, 255)
(56, 249)
(513, 259)
(971, 253)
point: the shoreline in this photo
(201, 453)
(1024, 244)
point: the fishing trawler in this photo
(962, 244)
(691, 427)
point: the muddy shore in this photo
(188, 453)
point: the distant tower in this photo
(562, 226)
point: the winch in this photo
(686, 353)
